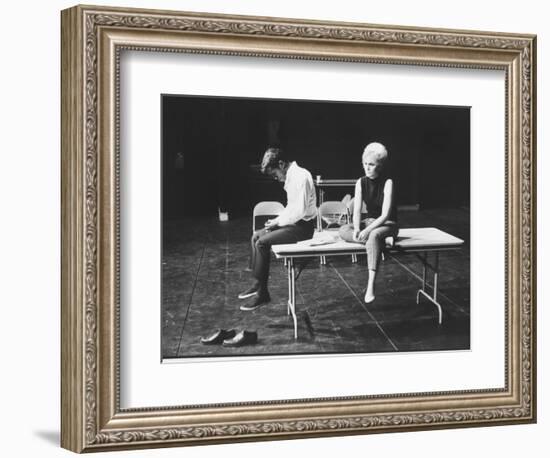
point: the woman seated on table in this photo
(376, 190)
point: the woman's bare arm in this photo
(357, 204)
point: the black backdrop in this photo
(211, 148)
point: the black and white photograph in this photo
(311, 227)
(275, 229)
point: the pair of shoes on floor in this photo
(218, 337)
(231, 338)
(259, 300)
(241, 339)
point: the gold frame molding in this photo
(92, 39)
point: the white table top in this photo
(408, 239)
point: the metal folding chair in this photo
(267, 209)
(333, 213)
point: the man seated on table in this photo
(296, 222)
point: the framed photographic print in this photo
(278, 228)
(227, 135)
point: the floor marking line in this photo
(190, 299)
(365, 308)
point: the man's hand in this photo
(270, 224)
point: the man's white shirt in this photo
(301, 197)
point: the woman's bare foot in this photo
(369, 297)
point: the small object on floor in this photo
(242, 338)
(248, 293)
(218, 337)
(257, 302)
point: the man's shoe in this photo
(218, 337)
(248, 293)
(242, 338)
(257, 302)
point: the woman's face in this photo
(372, 166)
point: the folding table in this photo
(418, 241)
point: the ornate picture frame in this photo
(92, 40)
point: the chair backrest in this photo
(350, 205)
(267, 208)
(332, 212)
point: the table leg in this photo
(432, 299)
(292, 295)
(424, 268)
(436, 275)
(287, 264)
(424, 272)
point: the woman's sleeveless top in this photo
(372, 192)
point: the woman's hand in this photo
(356, 234)
(363, 235)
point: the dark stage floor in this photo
(203, 272)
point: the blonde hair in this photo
(377, 151)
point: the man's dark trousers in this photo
(264, 239)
